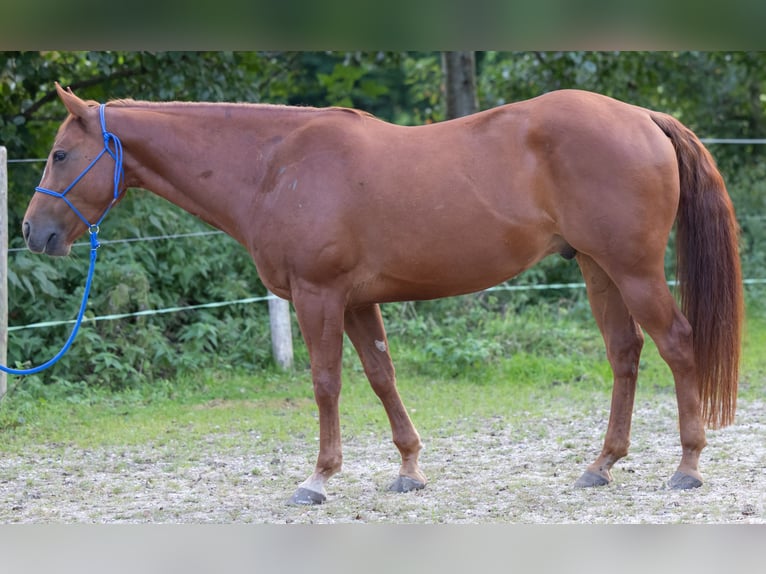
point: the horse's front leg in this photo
(320, 316)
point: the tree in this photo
(460, 83)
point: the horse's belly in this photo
(432, 274)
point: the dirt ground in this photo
(480, 471)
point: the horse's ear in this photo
(74, 105)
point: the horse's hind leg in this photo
(653, 306)
(624, 340)
(364, 327)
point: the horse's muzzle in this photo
(44, 239)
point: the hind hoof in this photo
(306, 497)
(590, 479)
(406, 484)
(682, 481)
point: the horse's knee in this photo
(326, 387)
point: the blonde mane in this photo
(129, 102)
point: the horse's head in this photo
(78, 185)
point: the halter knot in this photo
(93, 232)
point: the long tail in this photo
(709, 273)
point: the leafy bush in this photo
(715, 93)
(747, 187)
(465, 336)
(141, 276)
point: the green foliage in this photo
(134, 277)
(717, 94)
(472, 335)
(747, 188)
(424, 77)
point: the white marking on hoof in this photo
(314, 483)
(380, 345)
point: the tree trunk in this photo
(460, 83)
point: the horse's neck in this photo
(200, 157)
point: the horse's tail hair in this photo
(709, 273)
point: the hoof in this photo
(589, 479)
(681, 481)
(306, 497)
(406, 484)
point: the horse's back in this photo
(430, 211)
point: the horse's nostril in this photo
(50, 245)
(26, 230)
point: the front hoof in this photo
(590, 479)
(406, 484)
(306, 497)
(683, 481)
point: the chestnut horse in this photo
(342, 211)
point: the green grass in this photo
(537, 363)
(753, 365)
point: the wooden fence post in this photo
(3, 267)
(281, 331)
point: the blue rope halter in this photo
(112, 147)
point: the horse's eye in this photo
(59, 155)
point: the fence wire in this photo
(249, 300)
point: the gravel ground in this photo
(480, 471)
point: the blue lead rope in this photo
(31, 371)
(112, 147)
